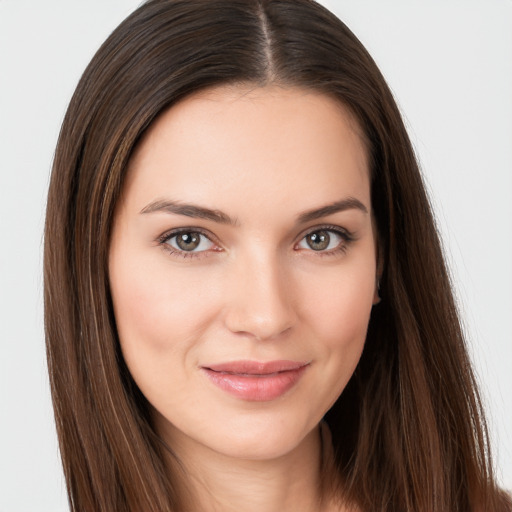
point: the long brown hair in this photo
(408, 430)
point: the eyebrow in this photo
(200, 212)
(188, 210)
(350, 203)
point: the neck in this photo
(218, 483)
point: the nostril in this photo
(267, 323)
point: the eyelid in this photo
(166, 236)
(187, 229)
(347, 236)
(345, 233)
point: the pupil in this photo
(319, 240)
(188, 241)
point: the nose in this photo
(260, 301)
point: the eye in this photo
(189, 241)
(324, 240)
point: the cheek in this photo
(338, 310)
(159, 314)
(339, 305)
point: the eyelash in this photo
(346, 236)
(164, 239)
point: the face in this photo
(243, 267)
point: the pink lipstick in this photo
(256, 381)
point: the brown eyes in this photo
(320, 240)
(326, 241)
(189, 241)
(193, 243)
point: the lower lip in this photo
(256, 388)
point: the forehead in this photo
(251, 144)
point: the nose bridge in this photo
(260, 302)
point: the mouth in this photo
(256, 381)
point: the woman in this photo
(246, 302)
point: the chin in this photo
(258, 434)
(267, 444)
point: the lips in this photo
(256, 381)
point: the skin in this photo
(254, 289)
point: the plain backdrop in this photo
(449, 64)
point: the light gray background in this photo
(449, 64)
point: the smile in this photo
(255, 381)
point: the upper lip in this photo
(255, 367)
